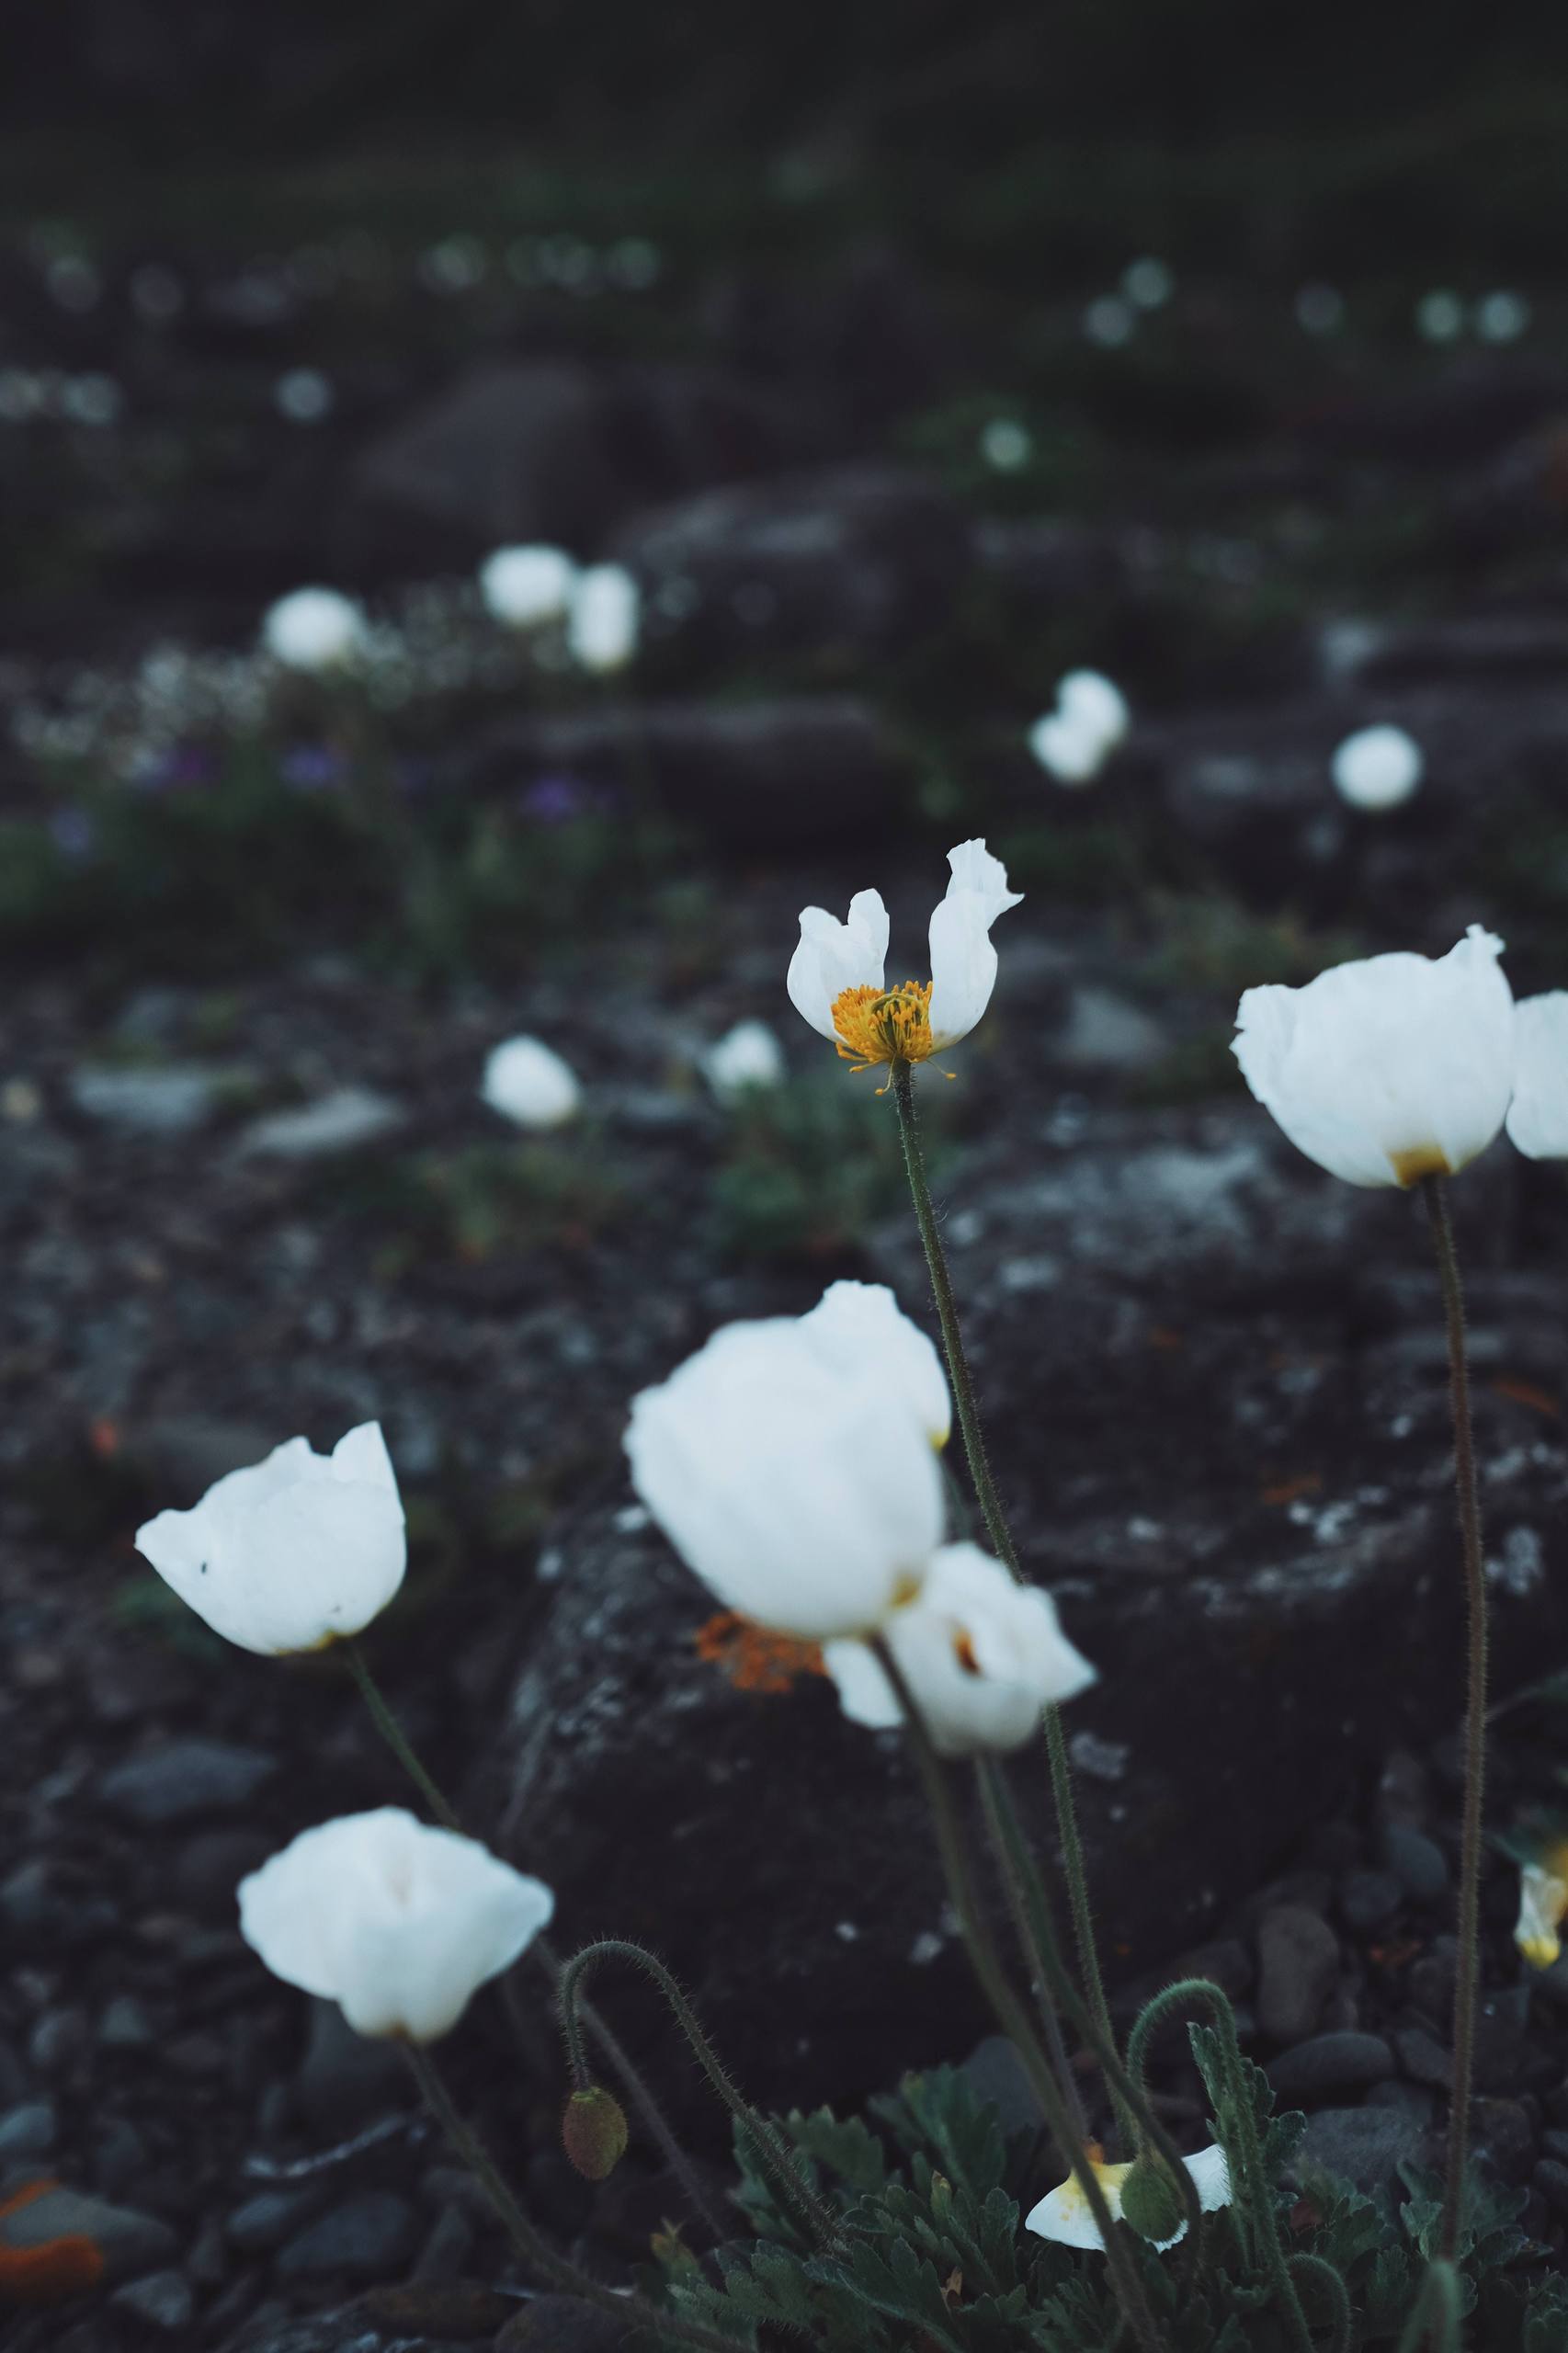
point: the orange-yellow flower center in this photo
(884, 1025)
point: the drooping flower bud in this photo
(1152, 2203)
(594, 2132)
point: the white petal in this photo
(864, 1692)
(834, 956)
(861, 1331)
(1095, 705)
(360, 1456)
(1543, 1901)
(529, 1084)
(963, 961)
(1537, 1115)
(1067, 749)
(1378, 768)
(1211, 2171)
(603, 622)
(523, 586)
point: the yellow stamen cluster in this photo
(884, 1025)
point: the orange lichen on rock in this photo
(56, 2270)
(755, 1657)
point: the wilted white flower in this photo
(802, 1493)
(836, 974)
(1073, 742)
(397, 1921)
(525, 587)
(1378, 768)
(527, 1083)
(292, 1552)
(1064, 2215)
(982, 1654)
(1537, 1115)
(861, 1330)
(315, 629)
(602, 623)
(747, 1056)
(1440, 316)
(1387, 1070)
(1543, 1905)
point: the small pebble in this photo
(1298, 1964)
(1416, 1861)
(31, 2130)
(1330, 2063)
(1369, 1900)
(1424, 2058)
(163, 2299)
(368, 2235)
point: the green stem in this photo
(1313, 2266)
(1012, 2015)
(1036, 1931)
(1469, 1959)
(619, 2060)
(997, 1527)
(1257, 2201)
(1434, 2323)
(525, 2241)
(804, 2207)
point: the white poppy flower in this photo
(861, 1330)
(529, 1084)
(603, 617)
(747, 1056)
(836, 974)
(1537, 1115)
(1378, 768)
(290, 1553)
(982, 1654)
(398, 1923)
(1387, 1070)
(800, 1493)
(525, 587)
(1543, 1904)
(315, 629)
(1091, 719)
(1065, 2214)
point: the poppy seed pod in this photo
(594, 2132)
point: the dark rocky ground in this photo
(1215, 1380)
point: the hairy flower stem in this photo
(1031, 1921)
(1257, 2200)
(1012, 2015)
(805, 2210)
(998, 1530)
(1434, 2323)
(619, 2060)
(525, 2241)
(1469, 1959)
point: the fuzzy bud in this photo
(594, 2132)
(1152, 2202)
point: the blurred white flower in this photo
(1501, 317)
(602, 623)
(525, 587)
(1006, 444)
(1543, 1905)
(861, 1330)
(1387, 1070)
(315, 629)
(746, 1057)
(836, 974)
(292, 1552)
(1111, 321)
(1537, 1115)
(1440, 316)
(1065, 2214)
(802, 1493)
(1148, 282)
(398, 1923)
(1090, 721)
(1378, 768)
(982, 1654)
(527, 1083)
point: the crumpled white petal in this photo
(963, 961)
(1390, 1069)
(982, 1654)
(398, 1923)
(1064, 2215)
(1537, 1115)
(834, 956)
(1543, 1904)
(800, 1496)
(861, 1330)
(292, 1552)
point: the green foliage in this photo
(489, 1200)
(810, 1166)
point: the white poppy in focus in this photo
(1065, 2214)
(603, 617)
(836, 974)
(398, 1923)
(529, 1084)
(1388, 1069)
(290, 1553)
(1378, 768)
(1537, 1115)
(315, 629)
(983, 1656)
(747, 1056)
(860, 1329)
(523, 588)
(801, 1494)
(1543, 1903)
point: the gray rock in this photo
(30, 2130)
(347, 2079)
(1424, 2059)
(1411, 2099)
(371, 2234)
(1416, 1861)
(997, 2074)
(1364, 2145)
(1298, 1960)
(129, 2243)
(167, 1100)
(263, 2222)
(1551, 2178)
(1369, 1900)
(348, 1120)
(181, 1779)
(58, 2041)
(1107, 1032)
(125, 2025)
(561, 2324)
(163, 2299)
(1329, 2063)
